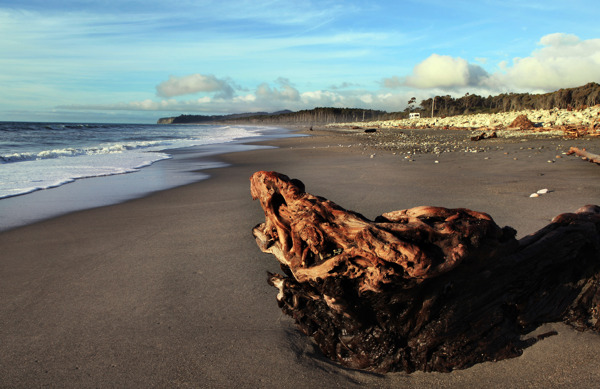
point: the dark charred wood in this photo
(426, 288)
(479, 137)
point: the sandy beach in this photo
(170, 290)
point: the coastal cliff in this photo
(165, 120)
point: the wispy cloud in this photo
(266, 97)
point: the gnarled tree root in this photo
(426, 288)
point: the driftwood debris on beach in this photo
(483, 136)
(583, 153)
(426, 288)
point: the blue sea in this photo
(52, 157)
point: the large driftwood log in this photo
(426, 288)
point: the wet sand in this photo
(170, 290)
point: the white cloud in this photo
(285, 92)
(559, 39)
(194, 83)
(265, 98)
(443, 71)
(322, 98)
(563, 61)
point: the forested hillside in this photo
(319, 116)
(187, 119)
(587, 95)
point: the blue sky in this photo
(136, 61)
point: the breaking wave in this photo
(76, 152)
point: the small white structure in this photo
(414, 115)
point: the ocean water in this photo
(37, 157)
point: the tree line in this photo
(319, 115)
(586, 95)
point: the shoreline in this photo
(170, 289)
(185, 166)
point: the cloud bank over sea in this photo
(560, 61)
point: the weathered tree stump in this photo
(426, 288)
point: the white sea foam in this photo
(32, 175)
(34, 167)
(75, 152)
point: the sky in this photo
(136, 61)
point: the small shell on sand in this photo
(534, 195)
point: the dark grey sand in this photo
(170, 290)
